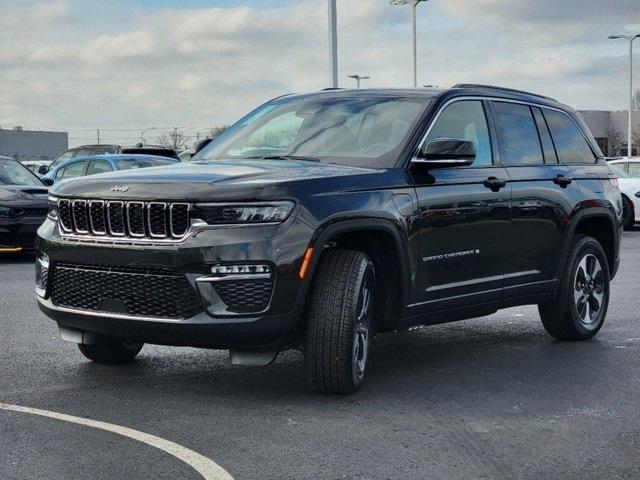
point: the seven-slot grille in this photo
(128, 219)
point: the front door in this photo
(464, 217)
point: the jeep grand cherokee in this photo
(319, 220)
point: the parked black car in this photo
(319, 220)
(107, 149)
(23, 206)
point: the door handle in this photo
(495, 184)
(562, 180)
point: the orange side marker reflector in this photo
(10, 249)
(305, 262)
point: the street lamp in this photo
(414, 5)
(357, 78)
(333, 42)
(143, 132)
(630, 39)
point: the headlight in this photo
(5, 212)
(42, 273)
(53, 209)
(249, 213)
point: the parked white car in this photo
(630, 189)
(629, 165)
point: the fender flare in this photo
(593, 212)
(324, 233)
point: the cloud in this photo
(50, 10)
(88, 65)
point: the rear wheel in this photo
(112, 352)
(581, 306)
(340, 322)
(628, 214)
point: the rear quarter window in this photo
(570, 143)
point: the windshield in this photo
(143, 163)
(13, 173)
(357, 131)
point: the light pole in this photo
(333, 42)
(357, 78)
(414, 15)
(143, 132)
(630, 39)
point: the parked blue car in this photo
(90, 165)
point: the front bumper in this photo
(214, 325)
(19, 234)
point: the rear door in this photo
(464, 217)
(543, 195)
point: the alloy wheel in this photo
(589, 289)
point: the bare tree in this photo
(635, 103)
(174, 139)
(614, 141)
(635, 139)
(215, 131)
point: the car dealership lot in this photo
(485, 398)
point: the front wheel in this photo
(112, 352)
(340, 322)
(581, 306)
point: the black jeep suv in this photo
(319, 220)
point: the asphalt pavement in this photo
(481, 399)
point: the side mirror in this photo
(47, 181)
(446, 152)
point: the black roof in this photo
(467, 89)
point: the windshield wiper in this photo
(283, 157)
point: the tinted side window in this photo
(545, 137)
(570, 143)
(465, 120)
(74, 170)
(98, 166)
(83, 152)
(519, 141)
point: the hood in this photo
(23, 195)
(202, 181)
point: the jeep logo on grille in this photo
(119, 188)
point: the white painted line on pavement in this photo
(209, 469)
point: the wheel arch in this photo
(600, 224)
(631, 204)
(382, 240)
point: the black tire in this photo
(628, 215)
(339, 322)
(583, 287)
(111, 353)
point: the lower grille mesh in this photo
(245, 296)
(129, 291)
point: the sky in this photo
(126, 65)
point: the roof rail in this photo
(501, 89)
(333, 88)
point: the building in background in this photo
(32, 144)
(610, 130)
